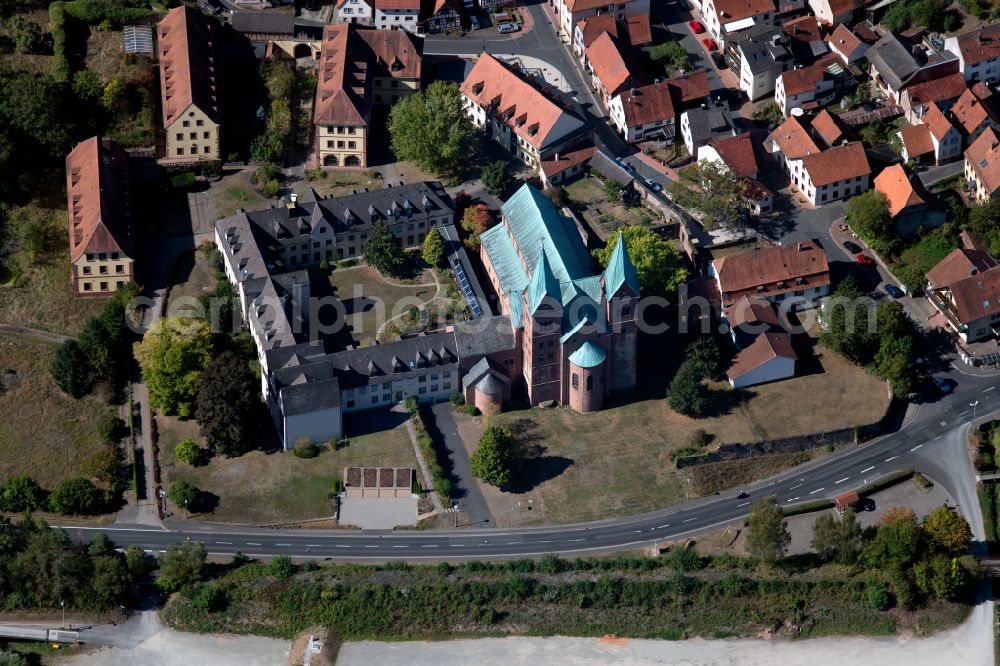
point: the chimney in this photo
(557, 157)
(633, 92)
(293, 198)
(801, 247)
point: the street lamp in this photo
(62, 605)
(974, 405)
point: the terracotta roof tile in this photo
(828, 128)
(639, 30)
(917, 140)
(648, 104)
(766, 346)
(636, 28)
(936, 121)
(979, 45)
(844, 40)
(734, 10)
(613, 66)
(975, 107)
(836, 164)
(977, 296)
(99, 221)
(803, 79)
(738, 154)
(187, 67)
(939, 90)
(804, 29)
(984, 158)
(793, 139)
(894, 182)
(958, 265)
(592, 28)
(776, 270)
(533, 116)
(838, 7)
(566, 161)
(412, 5)
(752, 310)
(690, 87)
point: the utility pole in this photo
(974, 405)
(62, 605)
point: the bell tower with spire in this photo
(542, 328)
(620, 287)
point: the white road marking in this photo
(868, 469)
(349, 546)
(963, 413)
(989, 389)
(371, 546)
(284, 545)
(916, 447)
(457, 545)
(744, 504)
(842, 480)
(312, 545)
(660, 527)
(792, 500)
(892, 458)
(224, 543)
(251, 543)
(574, 540)
(343, 546)
(815, 491)
(687, 520)
(937, 438)
(798, 486)
(429, 545)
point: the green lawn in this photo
(588, 193)
(370, 300)
(339, 183)
(235, 192)
(272, 487)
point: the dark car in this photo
(943, 385)
(894, 291)
(853, 248)
(720, 62)
(865, 504)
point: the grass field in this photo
(43, 432)
(235, 192)
(338, 183)
(274, 487)
(369, 300)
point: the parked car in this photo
(894, 291)
(710, 44)
(505, 28)
(653, 185)
(696, 27)
(473, 23)
(620, 161)
(942, 384)
(864, 259)
(720, 62)
(864, 504)
(853, 248)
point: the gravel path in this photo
(970, 645)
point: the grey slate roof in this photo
(893, 60)
(312, 396)
(607, 167)
(704, 123)
(481, 337)
(264, 21)
(762, 47)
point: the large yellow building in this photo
(101, 243)
(188, 87)
(359, 68)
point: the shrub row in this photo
(72, 497)
(441, 483)
(60, 64)
(885, 482)
(94, 12)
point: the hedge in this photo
(885, 482)
(60, 64)
(94, 12)
(441, 483)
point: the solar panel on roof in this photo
(138, 39)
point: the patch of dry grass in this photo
(43, 432)
(370, 300)
(340, 182)
(273, 487)
(235, 192)
(195, 276)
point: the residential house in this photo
(102, 246)
(806, 37)
(911, 207)
(355, 11)
(975, 112)
(833, 12)
(836, 173)
(359, 68)
(438, 15)
(978, 53)
(700, 125)
(565, 167)
(737, 153)
(527, 123)
(759, 198)
(809, 87)
(613, 67)
(917, 144)
(794, 276)
(959, 264)
(644, 113)
(726, 18)
(577, 330)
(189, 95)
(788, 144)
(982, 166)
(570, 12)
(897, 63)
(758, 55)
(633, 30)
(846, 44)
(689, 90)
(763, 339)
(830, 129)
(944, 92)
(971, 306)
(397, 15)
(945, 137)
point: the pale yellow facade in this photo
(192, 134)
(101, 273)
(341, 145)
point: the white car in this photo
(505, 28)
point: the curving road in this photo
(931, 441)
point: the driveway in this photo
(467, 493)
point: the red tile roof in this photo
(804, 29)
(350, 59)
(936, 121)
(566, 161)
(958, 265)
(917, 140)
(984, 158)
(639, 30)
(690, 87)
(894, 182)
(613, 66)
(187, 69)
(939, 90)
(792, 139)
(828, 127)
(738, 154)
(772, 271)
(977, 296)
(734, 10)
(838, 7)
(649, 104)
(765, 347)
(844, 40)
(532, 115)
(412, 5)
(592, 28)
(836, 164)
(803, 79)
(96, 194)
(752, 310)
(975, 107)
(979, 45)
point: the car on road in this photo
(710, 44)
(620, 161)
(696, 27)
(852, 247)
(864, 259)
(653, 185)
(504, 28)
(943, 385)
(894, 291)
(720, 62)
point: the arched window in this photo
(590, 382)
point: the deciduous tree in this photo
(382, 250)
(184, 494)
(229, 405)
(838, 540)
(475, 221)
(75, 497)
(20, 493)
(432, 129)
(495, 458)
(187, 451)
(435, 252)
(948, 531)
(172, 355)
(767, 530)
(712, 189)
(656, 260)
(868, 215)
(180, 565)
(496, 180)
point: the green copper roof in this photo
(510, 272)
(588, 355)
(543, 283)
(620, 270)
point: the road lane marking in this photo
(842, 480)
(343, 546)
(916, 447)
(393, 546)
(371, 546)
(224, 543)
(251, 543)
(660, 527)
(574, 540)
(283, 545)
(744, 504)
(792, 500)
(798, 486)
(892, 458)
(688, 520)
(312, 545)
(429, 545)
(457, 545)
(963, 413)
(815, 491)
(867, 469)
(937, 438)
(989, 389)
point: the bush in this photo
(209, 599)
(75, 497)
(183, 181)
(684, 559)
(457, 399)
(877, 597)
(281, 567)
(187, 451)
(304, 448)
(112, 429)
(412, 405)
(60, 63)
(20, 493)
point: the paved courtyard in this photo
(378, 513)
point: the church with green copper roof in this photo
(574, 325)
